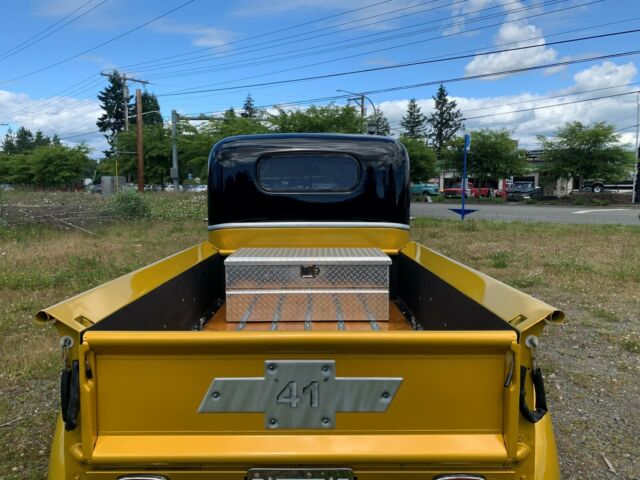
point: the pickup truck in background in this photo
(472, 191)
(425, 189)
(599, 186)
(519, 191)
(307, 338)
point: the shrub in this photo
(128, 206)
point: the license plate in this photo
(300, 474)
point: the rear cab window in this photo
(309, 173)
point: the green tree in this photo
(16, 169)
(157, 154)
(326, 118)
(249, 109)
(9, 142)
(378, 119)
(112, 121)
(445, 121)
(150, 109)
(41, 140)
(584, 152)
(493, 155)
(422, 159)
(59, 166)
(24, 140)
(414, 123)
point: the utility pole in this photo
(125, 94)
(175, 117)
(174, 150)
(636, 181)
(360, 98)
(139, 141)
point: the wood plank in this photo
(397, 321)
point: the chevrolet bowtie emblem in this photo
(299, 394)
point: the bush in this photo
(129, 206)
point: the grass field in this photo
(592, 362)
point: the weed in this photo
(499, 259)
(526, 281)
(631, 345)
(606, 315)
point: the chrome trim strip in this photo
(223, 226)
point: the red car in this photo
(456, 190)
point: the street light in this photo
(362, 97)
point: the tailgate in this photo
(243, 398)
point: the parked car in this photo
(472, 191)
(599, 186)
(425, 189)
(519, 191)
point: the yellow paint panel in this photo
(105, 299)
(300, 449)
(389, 240)
(503, 300)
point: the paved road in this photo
(535, 213)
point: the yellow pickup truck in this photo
(307, 338)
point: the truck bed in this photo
(397, 321)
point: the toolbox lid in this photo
(316, 256)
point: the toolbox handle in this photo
(309, 271)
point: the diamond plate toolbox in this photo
(301, 284)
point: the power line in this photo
(338, 97)
(70, 90)
(308, 51)
(553, 96)
(326, 31)
(33, 40)
(390, 48)
(102, 44)
(504, 72)
(424, 62)
(550, 106)
(466, 51)
(133, 65)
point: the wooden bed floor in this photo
(397, 321)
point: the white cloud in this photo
(605, 74)
(203, 36)
(515, 35)
(526, 125)
(64, 116)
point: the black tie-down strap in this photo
(541, 398)
(70, 395)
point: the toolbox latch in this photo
(309, 271)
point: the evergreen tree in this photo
(41, 140)
(249, 109)
(229, 115)
(445, 121)
(112, 120)
(149, 104)
(9, 142)
(24, 140)
(55, 140)
(380, 121)
(414, 122)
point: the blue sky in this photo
(205, 44)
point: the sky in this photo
(204, 56)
